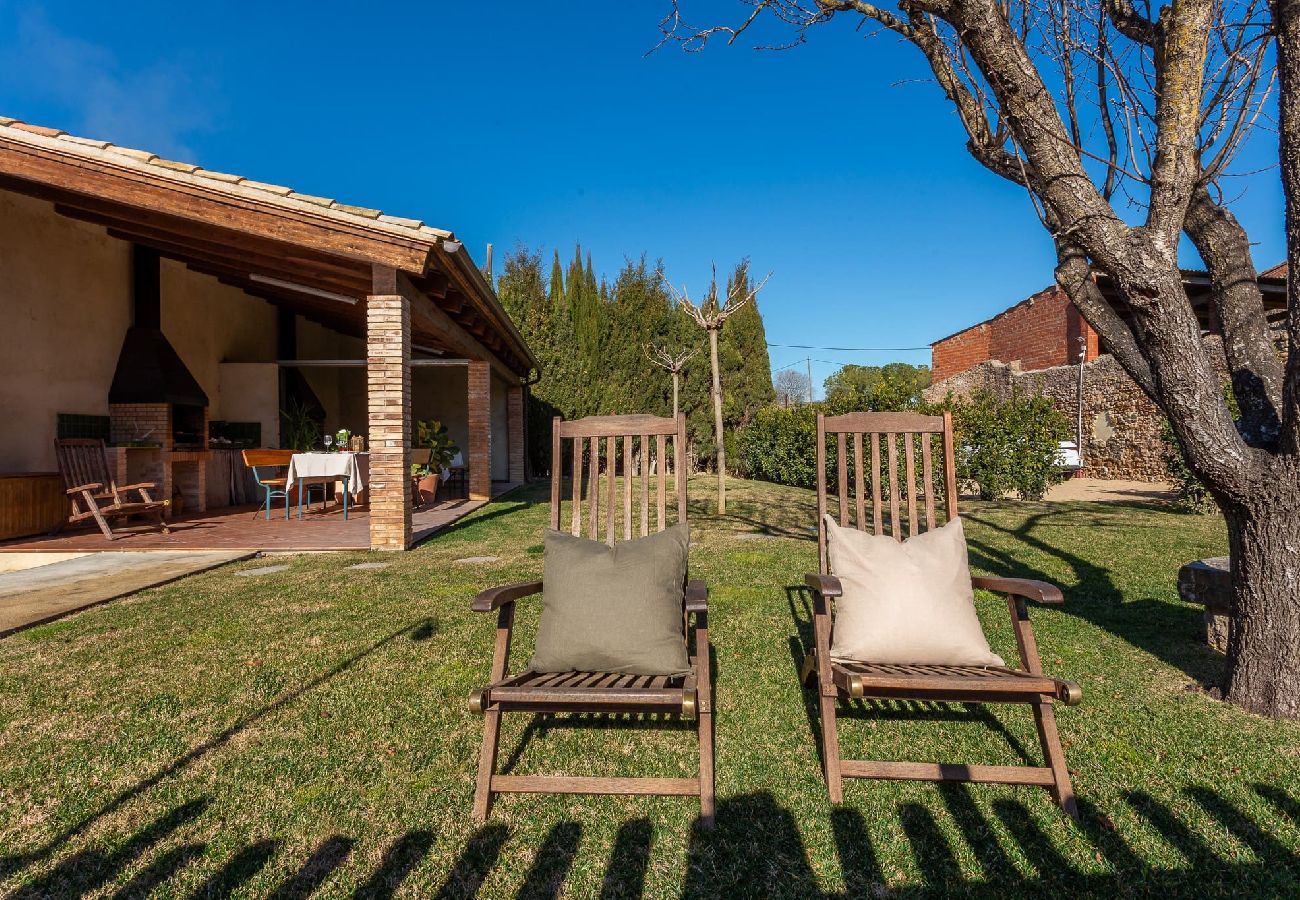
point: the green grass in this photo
(307, 730)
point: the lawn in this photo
(306, 731)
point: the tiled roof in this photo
(40, 135)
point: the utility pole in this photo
(810, 386)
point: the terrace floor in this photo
(247, 528)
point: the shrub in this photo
(1008, 445)
(779, 445)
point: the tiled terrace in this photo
(247, 528)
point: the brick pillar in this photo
(515, 404)
(480, 430)
(388, 384)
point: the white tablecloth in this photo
(312, 467)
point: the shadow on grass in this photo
(14, 863)
(1167, 631)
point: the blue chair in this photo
(274, 480)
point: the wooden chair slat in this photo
(858, 499)
(593, 489)
(577, 487)
(842, 474)
(950, 468)
(895, 526)
(627, 487)
(645, 485)
(661, 464)
(611, 517)
(557, 462)
(877, 514)
(910, 455)
(927, 477)
(679, 468)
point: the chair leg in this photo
(487, 762)
(831, 750)
(707, 807)
(1062, 790)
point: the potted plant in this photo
(431, 436)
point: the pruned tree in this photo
(711, 315)
(1123, 124)
(672, 362)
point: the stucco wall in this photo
(65, 298)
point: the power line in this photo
(847, 349)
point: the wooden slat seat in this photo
(856, 680)
(643, 442)
(595, 691)
(900, 500)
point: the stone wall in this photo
(1121, 426)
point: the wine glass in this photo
(329, 440)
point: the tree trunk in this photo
(1264, 640)
(676, 380)
(717, 422)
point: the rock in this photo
(370, 566)
(470, 560)
(261, 570)
(1208, 582)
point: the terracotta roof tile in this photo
(38, 129)
(225, 177)
(269, 188)
(309, 198)
(398, 220)
(142, 155)
(85, 142)
(174, 165)
(357, 210)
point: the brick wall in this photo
(1039, 332)
(480, 430)
(515, 405)
(388, 386)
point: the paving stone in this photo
(370, 566)
(260, 570)
(477, 559)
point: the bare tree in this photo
(711, 315)
(673, 363)
(1123, 124)
(792, 386)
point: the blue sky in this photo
(836, 166)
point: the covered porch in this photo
(268, 296)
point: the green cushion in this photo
(613, 609)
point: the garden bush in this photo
(1007, 445)
(779, 445)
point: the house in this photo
(1042, 346)
(176, 311)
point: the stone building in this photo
(1042, 346)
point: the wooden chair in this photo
(836, 681)
(94, 493)
(601, 692)
(273, 483)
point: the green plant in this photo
(301, 431)
(779, 445)
(431, 435)
(1007, 445)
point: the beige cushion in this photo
(908, 602)
(613, 609)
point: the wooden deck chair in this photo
(83, 464)
(643, 441)
(836, 681)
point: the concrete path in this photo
(42, 594)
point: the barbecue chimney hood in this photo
(148, 368)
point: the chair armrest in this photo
(144, 485)
(84, 487)
(1039, 591)
(697, 596)
(826, 585)
(497, 597)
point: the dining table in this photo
(349, 468)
